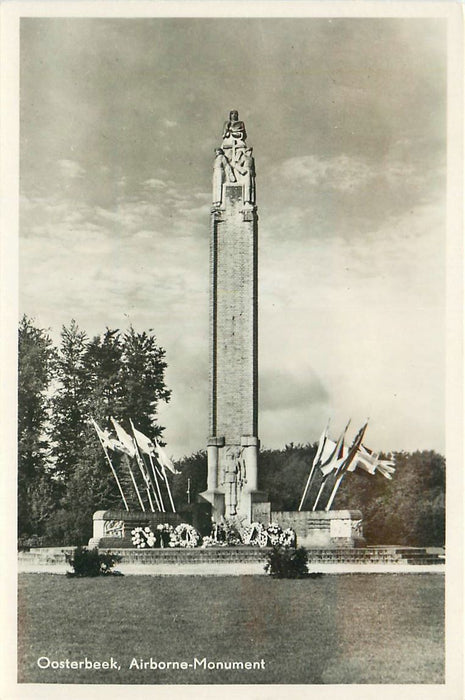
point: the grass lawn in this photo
(359, 628)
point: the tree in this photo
(71, 400)
(143, 379)
(114, 374)
(35, 359)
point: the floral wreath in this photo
(143, 537)
(287, 538)
(185, 536)
(255, 534)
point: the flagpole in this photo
(135, 486)
(168, 488)
(334, 491)
(319, 494)
(158, 499)
(111, 467)
(154, 470)
(318, 454)
(155, 487)
(307, 485)
(145, 478)
(346, 464)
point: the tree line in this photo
(63, 476)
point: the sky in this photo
(347, 118)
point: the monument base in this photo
(330, 530)
(254, 506)
(112, 528)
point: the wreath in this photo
(288, 538)
(143, 537)
(274, 532)
(185, 536)
(255, 535)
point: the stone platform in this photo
(211, 556)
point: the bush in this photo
(89, 562)
(284, 562)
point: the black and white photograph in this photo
(232, 326)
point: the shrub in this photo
(284, 562)
(89, 562)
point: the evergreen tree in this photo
(118, 375)
(71, 400)
(35, 357)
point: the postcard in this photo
(232, 348)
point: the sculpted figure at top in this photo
(234, 162)
(234, 130)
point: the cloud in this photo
(340, 173)
(71, 168)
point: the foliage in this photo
(194, 468)
(90, 562)
(36, 490)
(286, 562)
(407, 510)
(63, 473)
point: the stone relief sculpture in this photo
(234, 163)
(222, 172)
(246, 168)
(233, 477)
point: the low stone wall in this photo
(334, 529)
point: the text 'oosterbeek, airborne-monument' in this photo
(233, 443)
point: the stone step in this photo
(236, 555)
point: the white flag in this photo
(145, 444)
(108, 442)
(164, 459)
(126, 442)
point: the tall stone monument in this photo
(233, 443)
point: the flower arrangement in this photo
(143, 537)
(288, 538)
(274, 532)
(255, 535)
(184, 536)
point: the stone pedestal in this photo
(321, 529)
(232, 481)
(112, 528)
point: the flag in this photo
(333, 455)
(164, 459)
(321, 444)
(354, 448)
(144, 443)
(367, 460)
(108, 442)
(126, 443)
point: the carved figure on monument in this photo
(246, 168)
(234, 133)
(222, 172)
(233, 478)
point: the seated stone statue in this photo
(234, 132)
